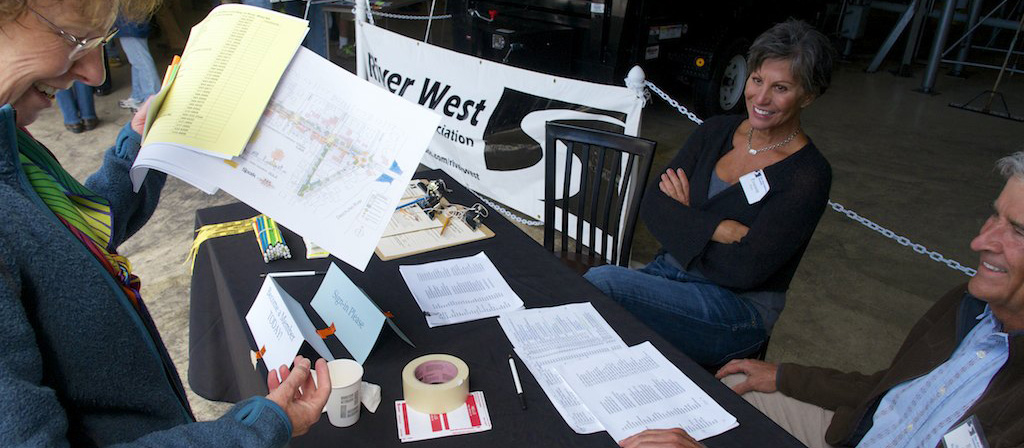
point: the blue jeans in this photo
(316, 39)
(145, 80)
(709, 323)
(76, 103)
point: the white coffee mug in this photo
(344, 403)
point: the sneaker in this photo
(129, 103)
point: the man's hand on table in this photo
(760, 375)
(661, 438)
(303, 406)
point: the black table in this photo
(226, 280)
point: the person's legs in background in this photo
(77, 106)
(86, 105)
(115, 57)
(316, 39)
(346, 38)
(145, 81)
(69, 109)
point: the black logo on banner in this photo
(508, 148)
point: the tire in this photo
(723, 93)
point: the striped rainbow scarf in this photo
(84, 213)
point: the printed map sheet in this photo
(330, 158)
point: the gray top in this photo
(769, 304)
(716, 185)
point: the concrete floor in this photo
(900, 158)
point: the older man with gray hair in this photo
(957, 376)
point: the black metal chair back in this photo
(603, 179)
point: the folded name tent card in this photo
(356, 318)
(279, 325)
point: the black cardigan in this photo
(781, 224)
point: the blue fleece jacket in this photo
(78, 365)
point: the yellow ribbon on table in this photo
(215, 231)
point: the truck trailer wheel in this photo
(723, 93)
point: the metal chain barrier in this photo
(508, 214)
(671, 102)
(904, 241)
(408, 17)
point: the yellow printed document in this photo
(232, 62)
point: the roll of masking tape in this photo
(435, 384)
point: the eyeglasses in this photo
(80, 46)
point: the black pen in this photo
(515, 379)
(292, 273)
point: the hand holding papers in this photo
(232, 61)
(329, 158)
(634, 389)
(460, 290)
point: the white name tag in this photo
(966, 435)
(755, 186)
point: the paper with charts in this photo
(547, 337)
(460, 290)
(636, 388)
(330, 158)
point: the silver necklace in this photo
(754, 152)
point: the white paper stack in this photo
(597, 383)
(460, 290)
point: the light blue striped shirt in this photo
(917, 413)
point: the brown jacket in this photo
(854, 396)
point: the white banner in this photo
(491, 134)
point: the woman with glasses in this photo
(82, 363)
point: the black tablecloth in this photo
(226, 280)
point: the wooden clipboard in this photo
(412, 243)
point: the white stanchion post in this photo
(360, 13)
(367, 11)
(636, 80)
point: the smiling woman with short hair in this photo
(735, 210)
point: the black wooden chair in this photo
(600, 178)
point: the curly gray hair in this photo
(1012, 165)
(810, 53)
